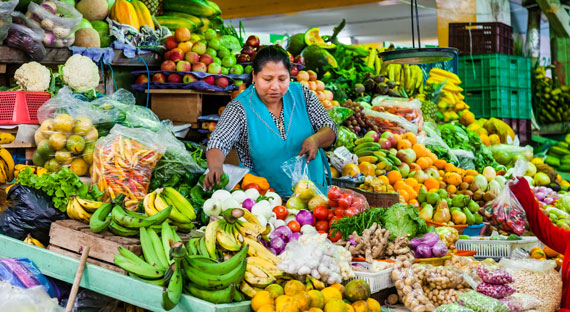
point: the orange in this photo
(317, 299)
(267, 308)
(335, 305)
(411, 182)
(398, 137)
(550, 253)
(360, 306)
(394, 176)
(349, 308)
(449, 167)
(410, 137)
(441, 173)
(423, 162)
(452, 178)
(433, 190)
(275, 290)
(468, 179)
(420, 150)
(431, 183)
(293, 287)
(260, 299)
(471, 172)
(403, 144)
(451, 189)
(373, 305)
(331, 293)
(182, 34)
(303, 300)
(415, 203)
(338, 286)
(404, 194)
(432, 156)
(440, 164)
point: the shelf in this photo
(60, 55)
(18, 144)
(186, 91)
(107, 282)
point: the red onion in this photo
(305, 217)
(248, 203)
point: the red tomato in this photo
(294, 226)
(322, 226)
(252, 185)
(333, 203)
(336, 236)
(339, 212)
(334, 192)
(351, 212)
(280, 212)
(321, 232)
(345, 201)
(321, 212)
(358, 202)
(331, 221)
(330, 214)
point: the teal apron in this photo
(268, 150)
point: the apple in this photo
(214, 44)
(188, 78)
(215, 68)
(183, 66)
(404, 170)
(236, 69)
(247, 50)
(432, 172)
(229, 61)
(209, 80)
(199, 47)
(243, 58)
(211, 52)
(294, 71)
(372, 134)
(420, 176)
(176, 55)
(252, 41)
(299, 59)
(407, 155)
(141, 79)
(223, 52)
(225, 70)
(166, 55)
(192, 57)
(168, 65)
(238, 82)
(390, 136)
(170, 43)
(206, 59)
(217, 60)
(199, 67)
(159, 77)
(222, 82)
(248, 69)
(174, 78)
(210, 34)
(212, 126)
(385, 143)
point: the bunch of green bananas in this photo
(550, 103)
(182, 212)
(409, 77)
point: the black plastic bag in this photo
(30, 211)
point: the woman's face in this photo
(272, 82)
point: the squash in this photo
(124, 13)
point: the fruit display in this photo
(309, 80)
(451, 105)
(551, 103)
(249, 51)
(359, 123)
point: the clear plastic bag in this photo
(519, 302)
(448, 235)
(391, 122)
(465, 159)
(21, 272)
(495, 276)
(409, 287)
(481, 303)
(339, 114)
(345, 138)
(507, 213)
(495, 291)
(6, 9)
(410, 109)
(435, 143)
(348, 202)
(26, 39)
(58, 19)
(123, 163)
(504, 153)
(454, 307)
(35, 299)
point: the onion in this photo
(540, 196)
(415, 242)
(423, 251)
(548, 200)
(283, 232)
(278, 244)
(439, 249)
(305, 217)
(248, 204)
(295, 236)
(430, 239)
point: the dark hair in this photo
(270, 53)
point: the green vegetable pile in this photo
(59, 186)
(399, 219)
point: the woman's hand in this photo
(212, 177)
(310, 147)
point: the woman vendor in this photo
(270, 122)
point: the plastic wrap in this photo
(504, 154)
(519, 302)
(496, 276)
(345, 137)
(339, 114)
(123, 163)
(448, 235)
(507, 213)
(345, 202)
(435, 143)
(26, 39)
(35, 299)
(21, 272)
(481, 303)
(391, 122)
(452, 308)
(465, 159)
(495, 291)
(6, 9)
(58, 19)
(410, 109)
(439, 277)
(409, 287)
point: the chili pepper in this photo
(197, 195)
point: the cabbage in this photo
(402, 219)
(230, 42)
(481, 181)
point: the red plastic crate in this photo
(481, 38)
(21, 107)
(522, 128)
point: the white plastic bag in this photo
(35, 299)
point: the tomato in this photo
(331, 221)
(280, 212)
(358, 202)
(337, 236)
(351, 212)
(330, 214)
(339, 212)
(252, 185)
(322, 226)
(321, 213)
(321, 232)
(333, 203)
(345, 201)
(334, 192)
(294, 226)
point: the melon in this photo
(87, 37)
(93, 10)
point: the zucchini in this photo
(557, 150)
(552, 161)
(173, 22)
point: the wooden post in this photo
(77, 280)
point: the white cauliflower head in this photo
(80, 73)
(33, 76)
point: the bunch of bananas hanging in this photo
(182, 212)
(30, 240)
(373, 61)
(38, 171)
(550, 103)
(6, 138)
(409, 77)
(6, 166)
(450, 104)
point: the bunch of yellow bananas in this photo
(38, 171)
(373, 61)
(6, 166)
(6, 138)
(32, 241)
(409, 77)
(451, 104)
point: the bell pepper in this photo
(259, 181)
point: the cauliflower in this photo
(80, 73)
(33, 76)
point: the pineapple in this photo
(152, 6)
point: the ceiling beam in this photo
(241, 9)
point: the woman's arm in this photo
(324, 138)
(540, 224)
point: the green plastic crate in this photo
(494, 70)
(499, 102)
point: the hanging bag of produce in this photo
(410, 109)
(506, 212)
(6, 9)
(26, 35)
(390, 122)
(58, 19)
(123, 163)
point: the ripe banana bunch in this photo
(6, 166)
(81, 209)
(409, 77)
(182, 212)
(30, 240)
(451, 99)
(6, 138)
(38, 171)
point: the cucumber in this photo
(552, 161)
(194, 19)
(198, 8)
(174, 22)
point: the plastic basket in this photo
(21, 107)
(499, 102)
(433, 261)
(473, 230)
(494, 70)
(378, 281)
(495, 248)
(481, 38)
(380, 200)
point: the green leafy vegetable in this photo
(402, 219)
(357, 223)
(59, 186)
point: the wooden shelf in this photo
(18, 144)
(187, 91)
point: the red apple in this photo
(167, 55)
(170, 43)
(221, 82)
(188, 78)
(247, 50)
(206, 59)
(159, 77)
(192, 57)
(199, 67)
(168, 65)
(176, 55)
(174, 78)
(141, 79)
(243, 58)
(209, 80)
(184, 66)
(252, 41)
(299, 60)
(294, 70)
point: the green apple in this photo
(229, 61)
(248, 69)
(211, 52)
(223, 52)
(225, 70)
(237, 69)
(210, 34)
(214, 44)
